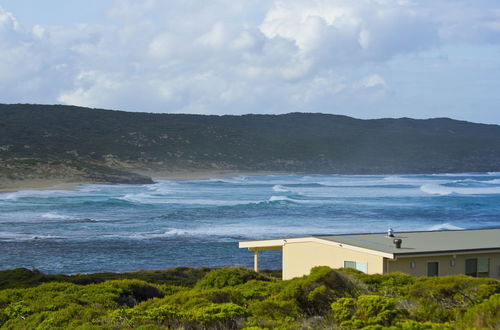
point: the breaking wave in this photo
(280, 188)
(57, 216)
(442, 190)
(143, 198)
(445, 226)
(179, 220)
(435, 189)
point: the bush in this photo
(224, 315)
(271, 314)
(366, 310)
(314, 293)
(392, 284)
(438, 299)
(224, 277)
(238, 298)
(274, 310)
(415, 325)
(485, 315)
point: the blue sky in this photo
(364, 58)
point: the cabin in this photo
(473, 252)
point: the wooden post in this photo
(256, 260)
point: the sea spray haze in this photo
(199, 222)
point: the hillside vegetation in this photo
(237, 298)
(74, 143)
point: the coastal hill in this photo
(78, 144)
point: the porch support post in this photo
(256, 260)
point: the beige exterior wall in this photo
(402, 264)
(300, 257)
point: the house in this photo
(420, 253)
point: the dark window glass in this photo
(483, 267)
(433, 268)
(349, 264)
(471, 267)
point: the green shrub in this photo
(224, 277)
(415, 325)
(315, 292)
(16, 310)
(366, 310)
(438, 299)
(274, 310)
(132, 317)
(259, 290)
(24, 278)
(343, 309)
(485, 315)
(237, 298)
(380, 310)
(221, 315)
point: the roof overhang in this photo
(447, 252)
(277, 244)
(354, 248)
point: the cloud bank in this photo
(366, 58)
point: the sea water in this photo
(199, 222)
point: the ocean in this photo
(199, 222)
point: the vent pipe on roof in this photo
(397, 242)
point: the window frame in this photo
(476, 272)
(356, 265)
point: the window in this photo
(433, 268)
(477, 267)
(483, 267)
(471, 267)
(361, 266)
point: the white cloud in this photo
(238, 56)
(352, 32)
(371, 81)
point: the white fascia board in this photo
(261, 244)
(354, 248)
(277, 243)
(272, 243)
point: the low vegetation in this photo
(237, 298)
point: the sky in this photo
(360, 58)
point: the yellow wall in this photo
(402, 264)
(299, 258)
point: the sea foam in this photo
(280, 188)
(442, 190)
(445, 226)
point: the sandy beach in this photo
(7, 186)
(38, 184)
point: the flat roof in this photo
(416, 242)
(421, 242)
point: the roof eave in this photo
(354, 248)
(448, 252)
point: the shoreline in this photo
(38, 184)
(60, 184)
(12, 186)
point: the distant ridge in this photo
(75, 143)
